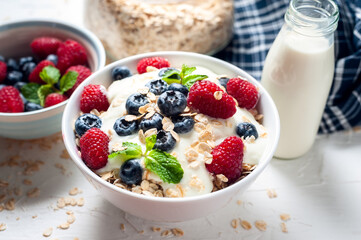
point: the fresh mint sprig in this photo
(37, 93)
(159, 162)
(184, 77)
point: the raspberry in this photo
(53, 99)
(34, 75)
(203, 97)
(157, 62)
(10, 100)
(70, 53)
(93, 97)
(43, 46)
(83, 73)
(94, 147)
(244, 92)
(3, 71)
(227, 159)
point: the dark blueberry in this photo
(12, 64)
(179, 87)
(183, 124)
(131, 172)
(24, 60)
(154, 121)
(125, 128)
(164, 70)
(2, 85)
(120, 72)
(52, 58)
(165, 141)
(13, 77)
(223, 81)
(30, 106)
(86, 122)
(157, 86)
(246, 129)
(19, 85)
(172, 103)
(134, 102)
(2, 58)
(27, 69)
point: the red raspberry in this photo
(34, 75)
(43, 46)
(157, 62)
(94, 97)
(202, 97)
(3, 71)
(94, 147)
(227, 159)
(53, 99)
(83, 72)
(244, 92)
(70, 53)
(10, 100)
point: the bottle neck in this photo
(312, 17)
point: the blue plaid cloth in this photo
(256, 25)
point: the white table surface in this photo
(321, 191)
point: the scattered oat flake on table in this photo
(234, 223)
(10, 204)
(2, 227)
(64, 226)
(285, 217)
(27, 182)
(48, 232)
(246, 225)
(73, 191)
(165, 233)
(65, 154)
(284, 227)
(261, 225)
(156, 229)
(271, 193)
(71, 219)
(80, 202)
(177, 232)
(122, 226)
(33, 193)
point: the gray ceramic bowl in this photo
(15, 39)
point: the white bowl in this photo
(15, 39)
(170, 209)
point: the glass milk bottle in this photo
(298, 72)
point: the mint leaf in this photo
(186, 70)
(44, 91)
(189, 80)
(150, 142)
(172, 76)
(50, 75)
(164, 165)
(67, 81)
(131, 151)
(30, 92)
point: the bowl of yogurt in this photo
(172, 149)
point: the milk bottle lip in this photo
(312, 17)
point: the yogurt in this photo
(196, 179)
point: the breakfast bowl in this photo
(15, 39)
(168, 208)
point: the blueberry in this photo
(2, 58)
(27, 69)
(182, 124)
(24, 60)
(120, 72)
(246, 129)
(2, 85)
(13, 77)
(157, 86)
(86, 122)
(172, 103)
(19, 85)
(125, 128)
(154, 121)
(134, 102)
(52, 58)
(131, 172)
(165, 141)
(30, 106)
(25, 101)
(12, 65)
(223, 81)
(179, 87)
(165, 70)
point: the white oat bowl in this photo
(168, 208)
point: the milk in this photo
(298, 74)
